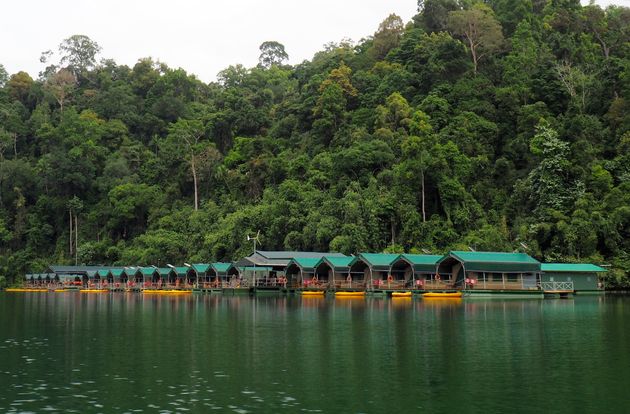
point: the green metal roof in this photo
(571, 267)
(337, 263)
(422, 258)
(494, 261)
(164, 271)
(379, 261)
(117, 272)
(129, 271)
(103, 272)
(422, 262)
(181, 270)
(91, 273)
(305, 263)
(499, 257)
(200, 267)
(221, 267)
(147, 271)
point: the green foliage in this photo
(429, 135)
(272, 53)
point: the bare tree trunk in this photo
(15, 144)
(76, 239)
(424, 215)
(70, 251)
(473, 50)
(194, 173)
(393, 232)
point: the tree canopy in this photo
(500, 125)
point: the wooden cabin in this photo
(488, 271)
(578, 277)
(226, 275)
(415, 271)
(336, 271)
(378, 266)
(278, 262)
(300, 272)
(201, 274)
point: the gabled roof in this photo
(421, 262)
(305, 263)
(279, 259)
(571, 267)
(103, 272)
(378, 261)
(200, 267)
(220, 267)
(164, 271)
(130, 271)
(117, 272)
(180, 270)
(147, 271)
(494, 261)
(339, 264)
(292, 254)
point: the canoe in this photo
(401, 294)
(166, 292)
(442, 295)
(61, 290)
(25, 290)
(312, 293)
(93, 290)
(349, 294)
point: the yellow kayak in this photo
(61, 290)
(349, 294)
(442, 295)
(166, 292)
(401, 294)
(25, 290)
(93, 290)
(312, 293)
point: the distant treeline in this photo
(498, 125)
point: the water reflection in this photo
(123, 352)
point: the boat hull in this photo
(442, 295)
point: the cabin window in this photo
(512, 277)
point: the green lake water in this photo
(72, 352)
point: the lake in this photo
(125, 352)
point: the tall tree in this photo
(4, 76)
(61, 85)
(272, 53)
(480, 30)
(387, 36)
(611, 27)
(78, 52)
(186, 139)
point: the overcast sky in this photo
(202, 37)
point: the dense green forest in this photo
(496, 125)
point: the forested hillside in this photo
(499, 125)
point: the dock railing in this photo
(556, 286)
